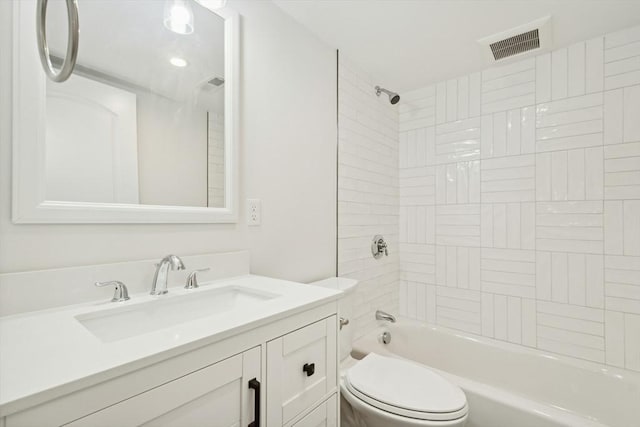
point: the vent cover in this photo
(515, 45)
(527, 39)
(216, 81)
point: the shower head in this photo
(394, 98)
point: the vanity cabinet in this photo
(215, 396)
(301, 370)
(281, 374)
(325, 415)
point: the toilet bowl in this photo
(382, 391)
(389, 392)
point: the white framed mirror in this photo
(145, 128)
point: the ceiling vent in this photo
(528, 39)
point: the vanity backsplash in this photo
(44, 289)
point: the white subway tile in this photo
(594, 173)
(421, 302)
(403, 299)
(631, 130)
(614, 332)
(543, 276)
(594, 76)
(441, 102)
(452, 100)
(514, 320)
(475, 85)
(528, 138)
(576, 176)
(622, 37)
(595, 281)
(613, 116)
(487, 314)
(513, 132)
(559, 74)
(559, 175)
(543, 78)
(431, 304)
(632, 341)
(529, 322)
(576, 69)
(577, 279)
(559, 278)
(500, 317)
(463, 98)
(486, 138)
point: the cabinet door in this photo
(301, 370)
(325, 415)
(215, 396)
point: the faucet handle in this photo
(192, 280)
(120, 293)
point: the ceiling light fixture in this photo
(178, 16)
(178, 62)
(213, 4)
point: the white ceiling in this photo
(408, 44)
(128, 41)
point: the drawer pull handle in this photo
(254, 384)
(309, 369)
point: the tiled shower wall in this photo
(367, 193)
(519, 193)
(215, 164)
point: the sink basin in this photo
(136, 319)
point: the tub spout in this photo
(381, 315)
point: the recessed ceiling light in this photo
(178, 62)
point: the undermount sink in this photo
(136, 319)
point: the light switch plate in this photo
(254, 211)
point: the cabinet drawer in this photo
(325, 415)
(301, 370)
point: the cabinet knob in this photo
(309, 369)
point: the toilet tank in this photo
(345, 307)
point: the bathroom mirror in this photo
(143, 129)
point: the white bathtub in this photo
(513, 386)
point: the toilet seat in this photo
(405, 389)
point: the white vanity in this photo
(242, 351)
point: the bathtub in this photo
(513, 386)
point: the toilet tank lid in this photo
(338, 283)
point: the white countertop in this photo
(46, 352)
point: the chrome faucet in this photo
(159, 285)
(381, 315)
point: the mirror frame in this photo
(29, 205)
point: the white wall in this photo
(520, 202)
(172, 151)
(367, 193)
(289, 96)
(288, 146)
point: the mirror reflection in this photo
(138, 125)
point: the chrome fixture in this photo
(394, 98)
(159, 285)
(120, 293)
(379, 247)
(73, 39)
(192, 280)
(343, 322)
(385, 337)
(381, 315)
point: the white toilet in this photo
(381, 391)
